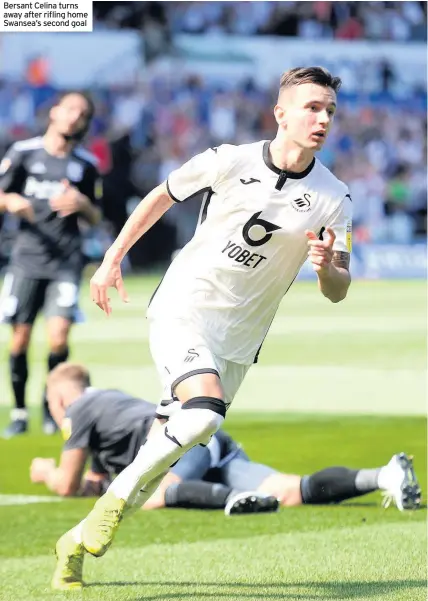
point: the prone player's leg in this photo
(336, 484)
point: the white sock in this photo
(19, 414)
(142, 495)
(384, 479)
(184, 430)
(76, 533)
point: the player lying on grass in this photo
(109, 426)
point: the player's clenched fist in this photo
(320, 252)
(107, 276)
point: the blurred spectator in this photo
(37, 73)
(376, 20)
(143, 131)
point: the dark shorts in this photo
(232, 466)
(23, 297)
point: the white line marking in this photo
(26, 499)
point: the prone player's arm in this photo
(76, 429)
(66, 479)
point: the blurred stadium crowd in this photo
(143, 131)
(398, 21)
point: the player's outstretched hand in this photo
(320, 252)
(20, 206)
(107, 276)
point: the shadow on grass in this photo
(279, 590)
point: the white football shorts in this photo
(179, 352)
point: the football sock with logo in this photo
(335, 484)
(18, 375)
(54, 359)
(196, 494)
(183, 430)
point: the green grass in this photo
(336, 385)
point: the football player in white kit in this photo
(267, 207)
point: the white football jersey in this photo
(249, 244)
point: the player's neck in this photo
(57, 145)
(286, 155)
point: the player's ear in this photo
(53, 112)
(280, 115)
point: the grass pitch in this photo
(336, 385)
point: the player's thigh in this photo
(21, 298)
(61, 298)
(185, 364)
(242, 474)
(194, 464)
(232, 375)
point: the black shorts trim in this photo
(195, 372)
(206, 402)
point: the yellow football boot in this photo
(69, 565)
(101, 525)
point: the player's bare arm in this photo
(17, 205)
(147, 213)
(65, 479)
(108, 275)
(331, 267)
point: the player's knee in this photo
(20, 338)
(58, 331)
(207, 413)
(198, 420)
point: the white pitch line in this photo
(26, 499)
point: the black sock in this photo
(332, 485)
(54, 359)
(18, 376)
(196, 494)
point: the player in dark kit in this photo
(49, 183)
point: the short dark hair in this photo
(70, 372)
(301, 75)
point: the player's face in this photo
(55, 405)
(306, 113)
(70, 116)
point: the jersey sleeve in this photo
(341, 223)
(12, 172)
(76, 430)
(91, 185)
(197, 175)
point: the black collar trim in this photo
(289, 174)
